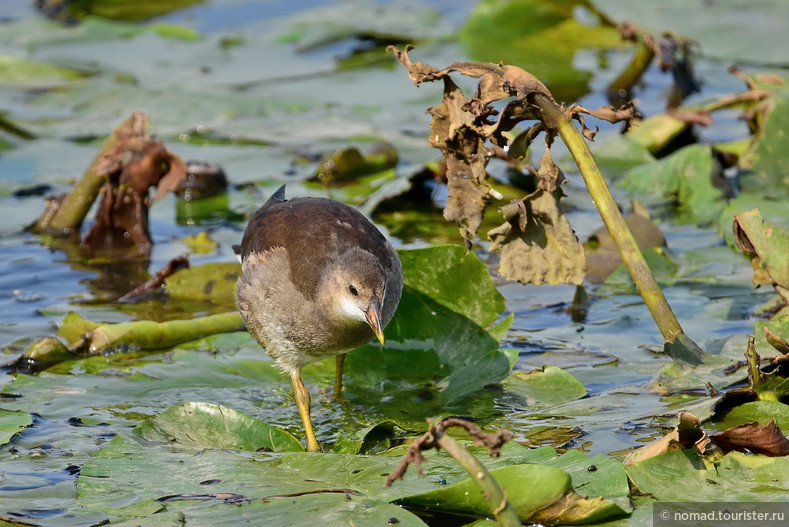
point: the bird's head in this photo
(357, 286)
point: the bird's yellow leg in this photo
(339, 361)
(302, 397)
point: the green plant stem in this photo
(555, 118)
(635, 69)
(497, 501)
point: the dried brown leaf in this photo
(767, 440)
(536, 243)
(699, 117)
(686, 435)
(136, 163)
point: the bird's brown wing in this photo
(313, 231)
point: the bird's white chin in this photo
(350, 309)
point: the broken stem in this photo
(72, 210)
(626, 244)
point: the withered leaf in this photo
(536, 243)
(466, 156)
(686, 435)
(136, 163)
(767, 439)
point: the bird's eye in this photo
(353, 290)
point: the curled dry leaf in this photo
(536, 242)
(767, 439)
(136, 163)
(461, 126)
(686, 435)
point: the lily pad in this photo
(552, 501)
(11, 423)
(440, 334)
(540, 36)
(681, 474)
(544, 387)
(211, 425)
(227, 486)
(210, 282)
(686, 176)
(760, 411)
(17, 71)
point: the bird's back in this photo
(313, 231)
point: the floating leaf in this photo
(11, 423)
(680, 474)
(690, 176)
(540, 36)
(766, 244)
(439, 331)
(17, 71)
(761, 412)
(213, 426)
(547, 386)
(552, 501)
(214, 282)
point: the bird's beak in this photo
(373, 316)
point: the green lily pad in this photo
(687, 176)
(529, 500)
(547, 386)
(438, 335)
(712, 26)
(223, 486)
(767, 159)
(214, 282)
(11, 423)
(18, 71)
(131, 10)
(760, 411)
(211, 425)
(372, 439)
(683, 474)
(539, 36)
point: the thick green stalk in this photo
(555, 118)
(635, 69)
(502, 510)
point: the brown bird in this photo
(318, 279)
